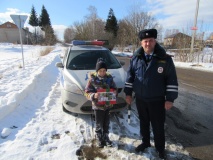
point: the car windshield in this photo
(86, 59)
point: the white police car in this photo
(77, 63)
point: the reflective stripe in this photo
(128, 86)
(172, 90)
(128, 83)
(172, 86)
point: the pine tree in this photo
(50, 38)
(44, 19)
(33, 21)
(45, 25)
(111, 23)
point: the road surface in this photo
(190, 121)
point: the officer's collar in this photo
(158, 52)
(148, 54)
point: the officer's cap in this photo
(147, 33)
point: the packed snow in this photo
(33, 125)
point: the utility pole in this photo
(194, 28)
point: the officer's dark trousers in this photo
(153, 112)
(102, 121)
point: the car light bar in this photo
(79, 42)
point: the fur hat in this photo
(147, 33)
(100, 64)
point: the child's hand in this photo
(96, 95)
(115, 92)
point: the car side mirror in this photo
(59, 65)
(122, 63)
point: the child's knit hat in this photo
(100, 64)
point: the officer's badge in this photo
(160, 69)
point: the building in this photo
(209, 41)
(177, 40)
(9, 33)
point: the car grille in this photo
(88, 109)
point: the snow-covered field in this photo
(33, 125)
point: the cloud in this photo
(178, 14)
(4, 17)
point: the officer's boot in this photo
(107, 140)
(100, 140)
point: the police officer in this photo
(152, 77)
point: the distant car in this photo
(77, 63)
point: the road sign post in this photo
(19, 20)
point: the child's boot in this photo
(100, 140)
(107, 140)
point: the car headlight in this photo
(71, 87)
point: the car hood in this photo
(80, 77)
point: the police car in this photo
(75, 67)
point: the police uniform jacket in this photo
(155, 80)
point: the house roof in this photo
(172, 35)
(175, 34)
(210, 37)
(8, 25)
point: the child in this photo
(100, 80)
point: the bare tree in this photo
(123, 34)
(208, 43)
(82, 30)
(91, 20)
(38, 38)
(69, 34)
(138, 20)
(91, 28)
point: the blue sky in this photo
(67, 11)
(171, 14)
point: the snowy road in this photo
(192, 116)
